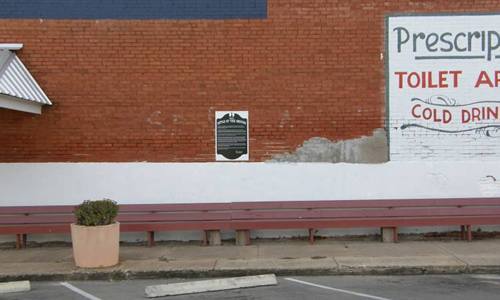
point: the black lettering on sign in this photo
(232, 136)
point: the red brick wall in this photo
(148, 90)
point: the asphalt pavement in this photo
(429, 287)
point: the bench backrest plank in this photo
(443, 202)
(123, 218)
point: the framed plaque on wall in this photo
(231, 136)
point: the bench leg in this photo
(389, 234)
(21, 240)
(151, 238)
(19, 243)
(469, 233)
(311, 236)
(214, 237)
(205, 238)
(242, 237)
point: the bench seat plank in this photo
(363, 223)
(442, 202)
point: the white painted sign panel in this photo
(443, 94)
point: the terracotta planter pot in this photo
(96, 246)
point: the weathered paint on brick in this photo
(147, 90)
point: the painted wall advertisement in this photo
(444, 87)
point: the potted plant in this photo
(96, 235)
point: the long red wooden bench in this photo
(24, 220)
(314, 215)
(246, 216)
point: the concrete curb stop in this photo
(213, 285)
(14, 287)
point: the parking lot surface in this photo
(440, 287)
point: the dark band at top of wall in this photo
(133, 9)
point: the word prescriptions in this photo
(444, 87)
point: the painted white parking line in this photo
(78, 291)
(336, 290)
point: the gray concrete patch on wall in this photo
(366, 149)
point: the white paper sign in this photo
(443, 93)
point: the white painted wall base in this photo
(71, 183)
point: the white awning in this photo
(18, 89)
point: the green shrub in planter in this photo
(96, 212)
(96, 235)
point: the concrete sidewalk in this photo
(290, 257)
